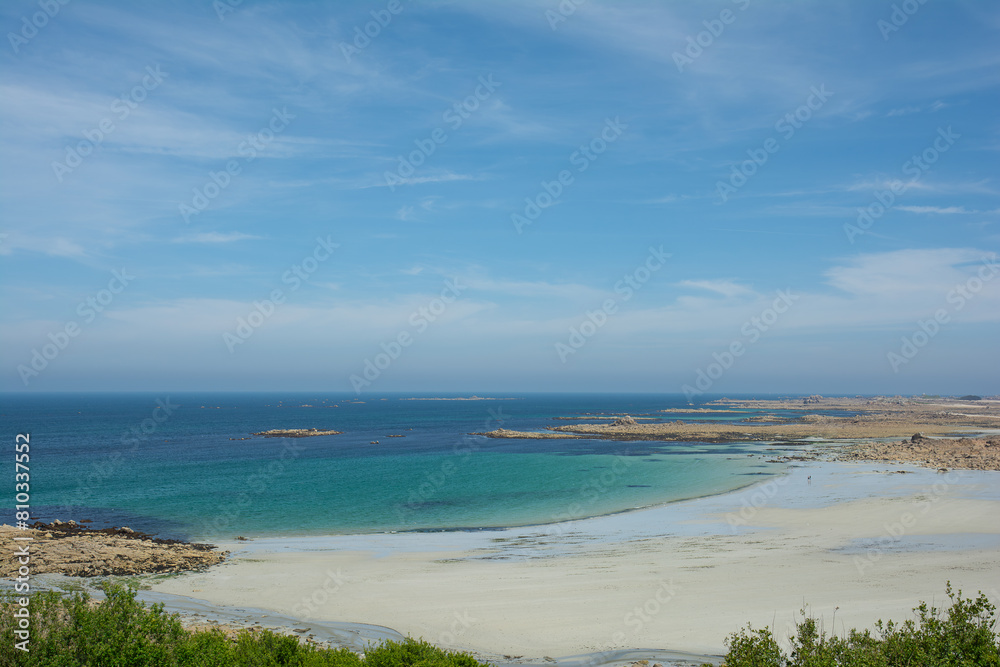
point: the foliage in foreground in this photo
(963, 635)
(70, 631)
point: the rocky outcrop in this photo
(964, 453)
(624, 421)
(872, 418)
(527, 435)
(67, 548)
(295, 433)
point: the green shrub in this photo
(964, 635)
(413, 653)
(71, 631)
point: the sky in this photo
(702, 197)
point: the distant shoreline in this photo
(866, 418)
(461, 398)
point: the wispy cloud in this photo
(446, 177)
(726, 288)
(942, 210)
(904, 272)
(58, 246)
(937, 105)
(216, 237)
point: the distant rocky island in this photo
(460, 398)
(295, 433)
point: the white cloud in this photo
(216, 237)
(444, 177)
(935, 209)
(538, 289)
(57, 246)
(904, 272)
(726, 288)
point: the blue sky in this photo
(398, 196)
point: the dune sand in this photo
(856, 542)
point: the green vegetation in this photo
(962, 636)
(72, 631)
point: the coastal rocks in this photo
(75, 551)
(525, 435)
(624, 421)
(876, 418)
(295, 433)
(939, 453)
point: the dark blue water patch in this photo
(104, 517)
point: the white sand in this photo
(678, 577)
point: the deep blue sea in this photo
(177, 464)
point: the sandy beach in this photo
(853, 541)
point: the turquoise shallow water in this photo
(176, 465)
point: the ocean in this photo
(187, 465)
